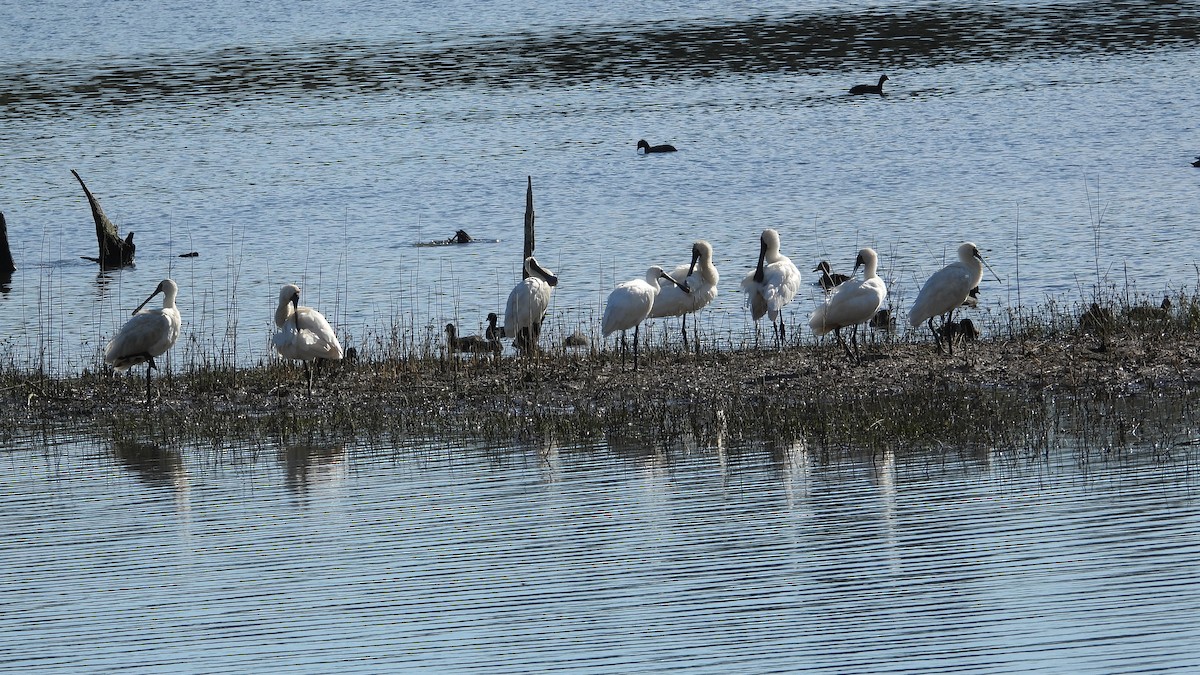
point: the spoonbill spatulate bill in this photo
(527, 305)
(947, 289)
(148, 334)
(303, 334)
(701, 278)
(851, 303)
(630, 303)
(772, 284)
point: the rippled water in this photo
(599, 559)
(319, 145)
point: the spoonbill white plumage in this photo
(700, 277)
(527, 304)
(630, 303)
(149, 333)
(772, 284)
(851, 303)
(948, 288)
(303, 333)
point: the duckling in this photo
(883, 320)
(647, 148)
(829, 279)
(471, 344)
(493, 331)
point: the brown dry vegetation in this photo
(1132, 385)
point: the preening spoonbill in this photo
(149, 333)
(527, 304)
(630, 303)
(870, 88)
(948, 288)
(829, 278)
(851, 303)
(701, 279)
(647, 148)
(772, 284)
(303, 333)
(472, 344)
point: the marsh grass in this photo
(1035, 383)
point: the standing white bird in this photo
(772, 284)
(700, 279)
(948, 288)
(303, 333)
(630, 303)
(527, 304)
(851, 303)
(148, 334)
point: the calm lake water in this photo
(454, 558)
(320, 142)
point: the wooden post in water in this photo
(528, 250)
(114, 251)
(6, 260)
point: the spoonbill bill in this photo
(303, 333)
(870, 88)
(772, 284)
(527, 304)
(630, 303)
(947, 289)
(646, 148)
(694, 288)
(851, 303)
(149, 333)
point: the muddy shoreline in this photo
(902, 392)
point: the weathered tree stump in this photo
(528, 249)
(114, 251)
(6, 260)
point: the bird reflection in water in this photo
(311, 464)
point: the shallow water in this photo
(319, 145)
(596, 559)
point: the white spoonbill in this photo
(948, 288)
(630, 303)
(149, 333)
(303, 334)
(527, 304)
(700, 278)
(772, 284)
(851, 303)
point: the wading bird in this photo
(630, 303)
(303, 333)
(527, 304)
(870, 88)
(948, 288)
(772, 284)
(149, 333)
(701, 279)
(851, 303)
(647, 148)
(829, 279)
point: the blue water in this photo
(320, 142)
(432, 558)
(319, 145)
